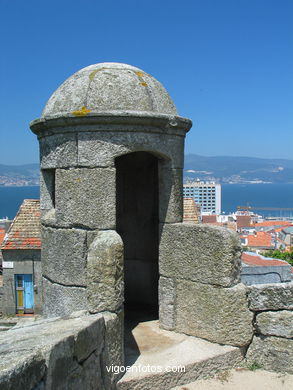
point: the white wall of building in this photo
(206, 194)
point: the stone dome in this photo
(108, 87)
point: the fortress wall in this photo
(61, 353)
(272, 344)
(200, 293)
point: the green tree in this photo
(278, 254)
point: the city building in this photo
(206, 194)
(21, 252)
(266, 226)
(258, 241)
(285, 238)
(217, 220)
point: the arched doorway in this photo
(137, 222)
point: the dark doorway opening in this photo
(137, 205)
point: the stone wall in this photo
(200, 293)
(272, 344)
(62, 353)
(1, 300)
(82, 269)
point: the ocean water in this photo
(12, 197)
(233, 195)
(259, 195)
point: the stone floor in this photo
(155, 354)
(243, 380)
(8, 322)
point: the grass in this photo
(253, 366)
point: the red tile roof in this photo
(25, 230)
(261, 261)
(273, 223)
(2, 235)
(209, 218)
(260, 239)
(243, 221)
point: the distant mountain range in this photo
(19, 175)
(227, 169)
(223, 169)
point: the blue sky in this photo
(228, 65)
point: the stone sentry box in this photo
(112, 149)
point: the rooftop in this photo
(260, 239)
(25, 231)
(209, 219)
(273, 223)
(243, 221)
(260, 261)
(288, 230)
(2, 235)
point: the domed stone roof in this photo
(108, 87)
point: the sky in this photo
(227, 64)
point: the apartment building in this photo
(205, 194)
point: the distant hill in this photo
(224, 169)
(228, 169)
(19, 175)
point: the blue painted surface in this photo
(24, 283)
(28, 292)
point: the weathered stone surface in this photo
(89, 340)
(1, 299)
(205, 254)
(100, 148)
(159, 350)
(275, 323)
(107, 87)
(217, 314)
(22, 372)
(45, 354)
(62, 300)
(86, 197)
(58, 151)
(64, 255)
(105, 287)
(48, 218)
(47, 189)
(271, 353)
(274, 296)
(167, 297)
(60, 363)
(92, 375)
(241, 378)
(171, 201)
(40, 386)
(113, 353)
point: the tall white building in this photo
(206, 194)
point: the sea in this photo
(12, 197)
(254, 195)
(259, 197)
